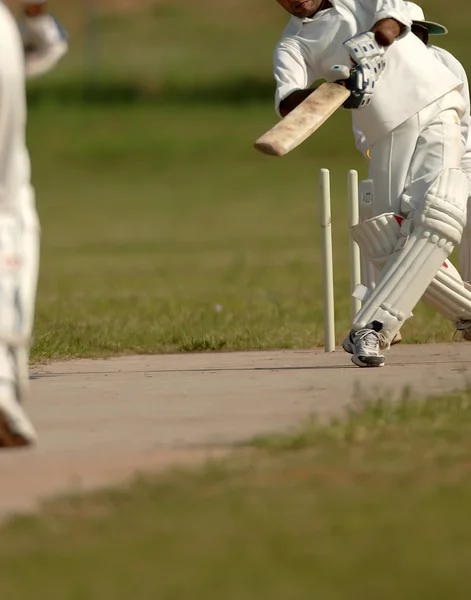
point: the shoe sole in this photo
(16, 431)
(368, 361)
(347, 349)
(10, 439)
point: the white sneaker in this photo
(16, 429)
(364, 346)
(397, 339)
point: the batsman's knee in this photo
(377, 237)
(444, 209)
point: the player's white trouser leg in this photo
(465, 246)
(447, 293)
(19, 239)
(416, 174)
(427, 238)
(366, 198)
(369, 271)
(404, 164)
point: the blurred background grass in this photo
(163, 230)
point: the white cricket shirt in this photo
(455, 67)
(413, 77)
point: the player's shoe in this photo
(464, 327)
(364, 345)
(16, 430)
(397, 339)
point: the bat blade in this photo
(303, 121)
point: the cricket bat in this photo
(303, 121)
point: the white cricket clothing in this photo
(404, 164)
(457, 69)
(465, 246)
(412, 80)
(447, 293)
(19, 231)
(427, 238)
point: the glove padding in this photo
(360, 83)
(365, 51)
(45, 43)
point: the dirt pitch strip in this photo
(101, 421)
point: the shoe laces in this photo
(371, 339)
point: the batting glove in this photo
(360, 84)
(365, 51)
(45, 43)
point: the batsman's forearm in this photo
(293, 100)
(33, 7)
(391, 20)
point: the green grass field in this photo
(156, 210)
(373, 506)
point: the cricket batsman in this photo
(409, 106)
(448, 293)
(29, 48)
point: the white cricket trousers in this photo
(404, 164)
(465, 246)
(17, 204)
